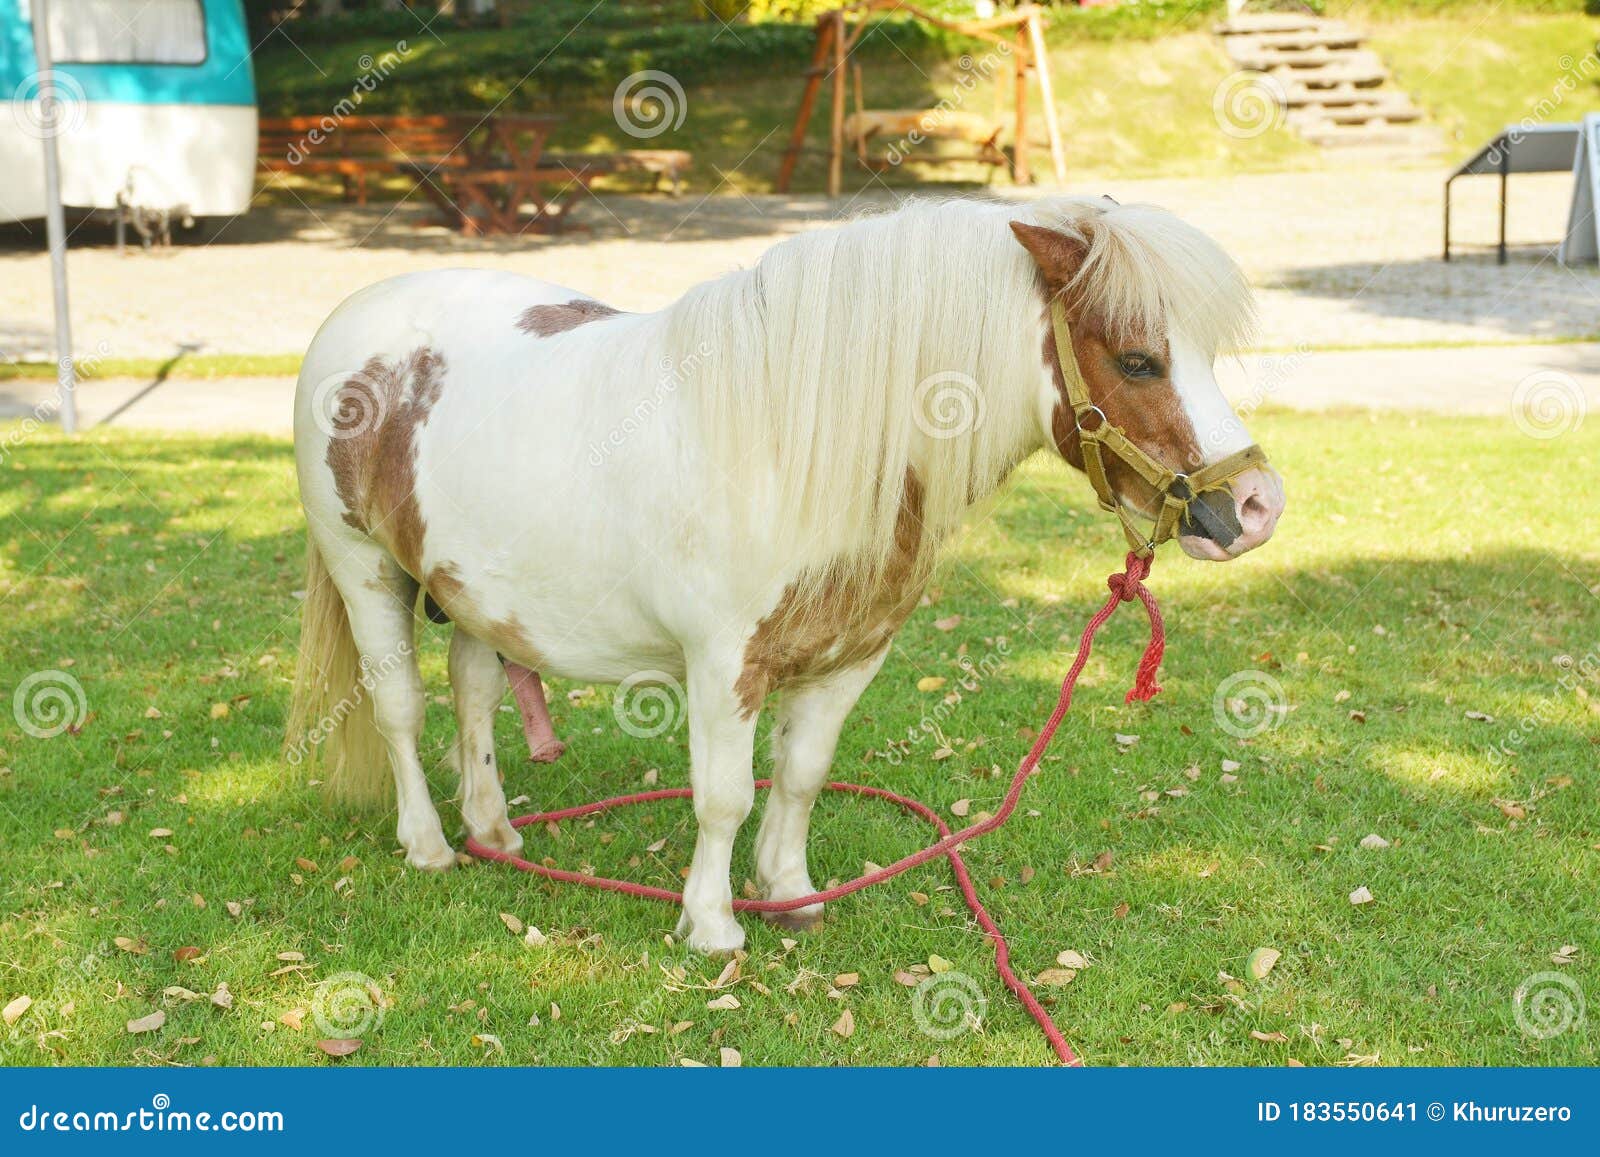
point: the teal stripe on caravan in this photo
(223, 78)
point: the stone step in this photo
(1329, 36)
(1248, 23)
(1334, 76)
(1400, 111)
(1269, 60)
(1327, 96)
(1398, 139)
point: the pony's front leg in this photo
(803, 741)
(721, 747)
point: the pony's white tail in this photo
(332, 727)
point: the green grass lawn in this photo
(1427, 570)
(1479, 73)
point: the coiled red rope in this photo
(1125, 587)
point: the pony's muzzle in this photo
(1224, 523)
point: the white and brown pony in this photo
(744, 491)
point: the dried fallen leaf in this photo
(1562, 955)
(487, 1041)
(1362, 895)
(13, 1011)
(1276, 1038)
(339, 1046)
(128, 944)
(1056, 977)
(148, 1023)
(727, 1002)
(295, 1018)
(930, 682)
(1374, 842)
(730, 1058)
(947, 624)
(845, 1026)
(160, 833)
(222, 998)
(1070, 959)
(847, 980)
(961, 807)
(219, 710)
(512, 923)
(937, 964)
(534, 938)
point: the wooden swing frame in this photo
(1020, 30)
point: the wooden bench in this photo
(668, 163)
(354, 147)
(478, 168)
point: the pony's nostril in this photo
(1253, 513)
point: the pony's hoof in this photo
(500, 836)
(800, 920)
(718, 939)
(429, 859)
(547, 752)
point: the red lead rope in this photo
(1125, 587)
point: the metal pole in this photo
(52, 118)
(1505, 171)
(1447, 185)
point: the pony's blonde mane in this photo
(849, 359)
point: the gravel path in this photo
(1340, 259)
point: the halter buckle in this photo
(1079, 415)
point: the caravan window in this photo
(127, 31)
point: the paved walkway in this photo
(1474, 380)
(1338, 258)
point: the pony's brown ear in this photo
(1058, 255)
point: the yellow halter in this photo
(1100, 438)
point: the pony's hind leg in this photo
(380, 600)
(804, 736)
(478, 684)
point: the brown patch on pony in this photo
(372, 454)
(1149, 411)
(849, 622)
(507, 636)
(549, 320)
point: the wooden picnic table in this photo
(479, 169)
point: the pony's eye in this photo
(1139, 365)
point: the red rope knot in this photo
(1129, 585)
